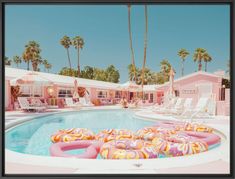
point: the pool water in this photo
(33, 137)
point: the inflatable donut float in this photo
(179, 145)
(114, 134)
(209, 138)
(73, 134)
(92, 149)
(148, 133)
(184, 126)
(128, 149)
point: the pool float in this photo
(107, 135)
(184, 126)
(92, 149)
(209, 138)
(73, 134)
(148, 133)
(128, 149)
(179, 145)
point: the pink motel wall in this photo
(201, 85)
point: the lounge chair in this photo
(84, 102)
(200, 110)
(187, 105)
(38, 102)
(24, 105)
(69, 103)
(167, 106)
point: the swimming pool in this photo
(33, 137)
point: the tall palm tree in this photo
(17, 60)
(182, 53)
(198, 56)
(31, 54)
(206, 58)
(66, 42)
(145, 45)
(130, 39)
(78, 43)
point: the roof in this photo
(11, 73)
(192, 75)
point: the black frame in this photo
(103, 2)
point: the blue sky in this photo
(105, 32)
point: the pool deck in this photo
(211, 162)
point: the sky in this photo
(104, 29)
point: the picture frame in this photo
(103, 94)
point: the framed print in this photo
(134, 88)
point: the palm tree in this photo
(198, 56)
(36, 61)
(66, 42)
(31, 54)
(17, 60)
(78, 43)
(145, 45)
(165, 69)
(130, 39)
(182, 53)
(44, 62)
(206, 58)
(7, 61)
(48, 66)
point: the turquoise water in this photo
(33, 137)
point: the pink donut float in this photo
(209, 138)
(92, 149)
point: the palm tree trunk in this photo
(69, 60)
(130, 38)
(28, 65)
(205, 66)
(199, 65)
(145, 46)
(78, 63)
(182, 67)
(17, 65)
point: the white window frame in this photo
(66, 89)
(103, 95)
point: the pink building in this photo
(195, 85)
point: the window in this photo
(222, 94)
(65, 92)
(27, 91)
(102, 94)
(146, 96)
(151, 98)
(177, 93)
(118, 94)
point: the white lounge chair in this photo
(187, 105)
(69, 103)
(168, 106)
(24, 105)
(84, 102)
(200, 110)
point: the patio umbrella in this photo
(171, 87)
(75, 93)
(33, 79)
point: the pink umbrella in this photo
(75, 93)
(171, 88)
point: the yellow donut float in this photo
(73, 134)
(149, 133)
(128, 149)
(107, 135)
(179, 145)
(196, 127)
